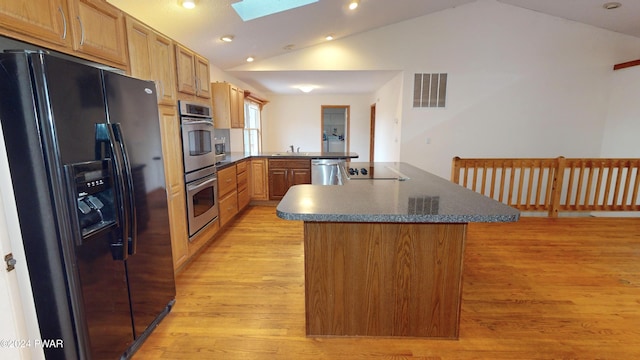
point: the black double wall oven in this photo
(201, 182)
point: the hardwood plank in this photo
(541, 288)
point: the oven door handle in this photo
(196, 122)
(197, 185)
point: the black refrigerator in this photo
(85, 158)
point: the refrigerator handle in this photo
(104, 136)
(128, 180)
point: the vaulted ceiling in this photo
(201, 28)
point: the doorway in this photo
(372, 133)
(335, 128)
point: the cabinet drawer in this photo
(289, 164)
(241, 166)
(226, 181)
(243, 198)
(228, 207)
(243, 180)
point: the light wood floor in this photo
(537, 289)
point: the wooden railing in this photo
(554, 185)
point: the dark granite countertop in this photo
(234, 157)
(420, 197)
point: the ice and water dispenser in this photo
(95, 196)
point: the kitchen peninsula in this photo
(384, 257)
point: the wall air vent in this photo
(429, 90)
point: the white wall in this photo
(622, 128)
(521, 83)
(296, 119)
(388, 102)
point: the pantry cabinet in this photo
(151, 58)
(192, 74)
(172, 155)
(228, 105)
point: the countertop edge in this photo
(395, 218)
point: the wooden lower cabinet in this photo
(243, 199)
(242, 170)
(284, 173)
(259, 180)
(178, 223)
(228, 207)
(227, 194)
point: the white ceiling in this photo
(202, 27)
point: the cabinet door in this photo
(228, 207)
(299, 176)
(46, 20)
(221, 102)
(178, 228)
(227, 181)
(258, 183)
(99, 30)
(243, 199)
(139, 39)
(236, 107)
(171, 148)
(185, 70)
(172, 156)
(164, 68)
(202, 77)
(278, 183)
(239, 109)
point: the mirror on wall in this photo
(335, 128)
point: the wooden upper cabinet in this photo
(151, 58)
(139, 39)
(185, 70)
(202, 77)
(228, 105)
(98, 30)
(44, 20)
(192, 73)
(164, 68)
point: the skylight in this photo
(253, 9)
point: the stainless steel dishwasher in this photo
(327, 171)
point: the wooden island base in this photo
(383, 279)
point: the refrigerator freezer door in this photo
(55, 126)
(132, 104)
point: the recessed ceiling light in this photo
(227, 38)
(329, 37)
(250, 59)
(354, 4)
(188, 4)
(306, 88)
(611, 5)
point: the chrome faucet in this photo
(291, 146)
(298, 150)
